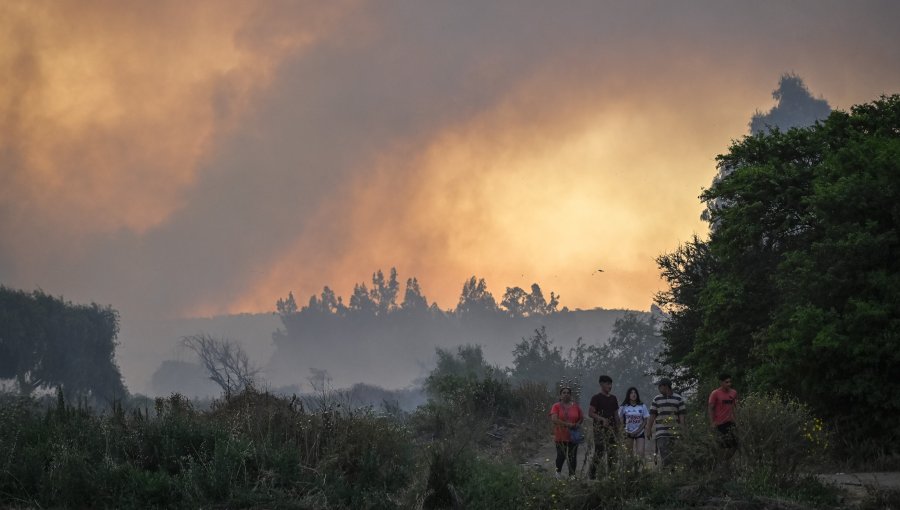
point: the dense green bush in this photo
(777, 436)
(254, 449)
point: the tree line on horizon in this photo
(381, 299)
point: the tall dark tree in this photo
(46, 342)
(412, 297)
(475, 298)
(536, 358)
(515, 301)
(519, 303)
(796, 107)
(797, 287)
(631, 352)
(384, 291)
(361, 301)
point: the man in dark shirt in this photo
(604, 410)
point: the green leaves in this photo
(796, 288)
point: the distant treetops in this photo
(381, 299)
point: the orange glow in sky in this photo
(197, 158)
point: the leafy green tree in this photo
(536, 358)
(797, 287)
(629, 356)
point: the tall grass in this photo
(254, 449)
(264, 451)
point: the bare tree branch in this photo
(224, 360)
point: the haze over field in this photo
(191, 159)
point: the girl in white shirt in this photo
(634, 415)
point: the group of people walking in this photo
(632, 424)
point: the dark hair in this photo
(724, 376)
(565, 388)
(604, 378)
(637, 397)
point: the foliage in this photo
(379, 298)
(777, 436)
(46, 342)
(259, 450)
(475, 299)
(464, 385)
(796, 288)
(629, 357)
(253, 449)
(796, 107)
(520, 303)
(537, 359)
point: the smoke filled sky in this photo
(196, 158)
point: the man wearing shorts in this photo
(722, 402)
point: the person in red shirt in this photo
(722, 403)
(565, 416)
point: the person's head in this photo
(633, 397)
(665, 386)
(725, 381)
(605, 383)
(565, 394)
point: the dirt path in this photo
(859, 485)
(544, 460)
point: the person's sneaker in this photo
(559, 476)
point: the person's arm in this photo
(554, 417)
(711, 409)
(580, 418)
(644, 415)
(682, 413)
(592, 412)
(650, 422)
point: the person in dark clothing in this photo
(604, 410)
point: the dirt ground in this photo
(857, 485)
(544, 459)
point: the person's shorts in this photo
(641, 436)
(727, 437)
